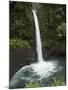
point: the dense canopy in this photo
(52, 23)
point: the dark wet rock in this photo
(20, 57)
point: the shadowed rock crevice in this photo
(20, 57)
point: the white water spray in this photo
(41, 69)
(38, 38)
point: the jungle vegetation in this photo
(52, 23)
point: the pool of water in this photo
(45, 72)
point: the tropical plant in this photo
(58, 82)
(33, 84)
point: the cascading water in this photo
(35, 71)
(38, 38)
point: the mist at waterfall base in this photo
(41, 70)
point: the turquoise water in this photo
(27, 73)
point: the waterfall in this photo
(39, 71)
(38, 38)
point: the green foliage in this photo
(61, 30)
(58, 82)
(33, 85)
(14, 43)
(54, 82)
(52, 23)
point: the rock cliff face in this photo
(20, 57)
